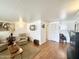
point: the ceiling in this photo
(31, 10)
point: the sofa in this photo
(22, 39)
(22, 42)
(4, 46)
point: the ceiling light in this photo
(21, 23)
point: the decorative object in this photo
(36, 42)
(4, 26)
(32, 27)
(43, 25)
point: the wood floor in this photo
(52, 50)
(49, 50)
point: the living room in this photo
(38, 27)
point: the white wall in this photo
(37, 33)
(19, 30)
(55, 28)
(4, 35)
(53, 32)
(43, 32)
(40, 33)
(69, 26)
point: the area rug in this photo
(29, 52)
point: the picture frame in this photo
(5, 26)
(32, 27)
(43, 25)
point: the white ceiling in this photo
(31, 10)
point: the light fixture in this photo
(21, 23)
